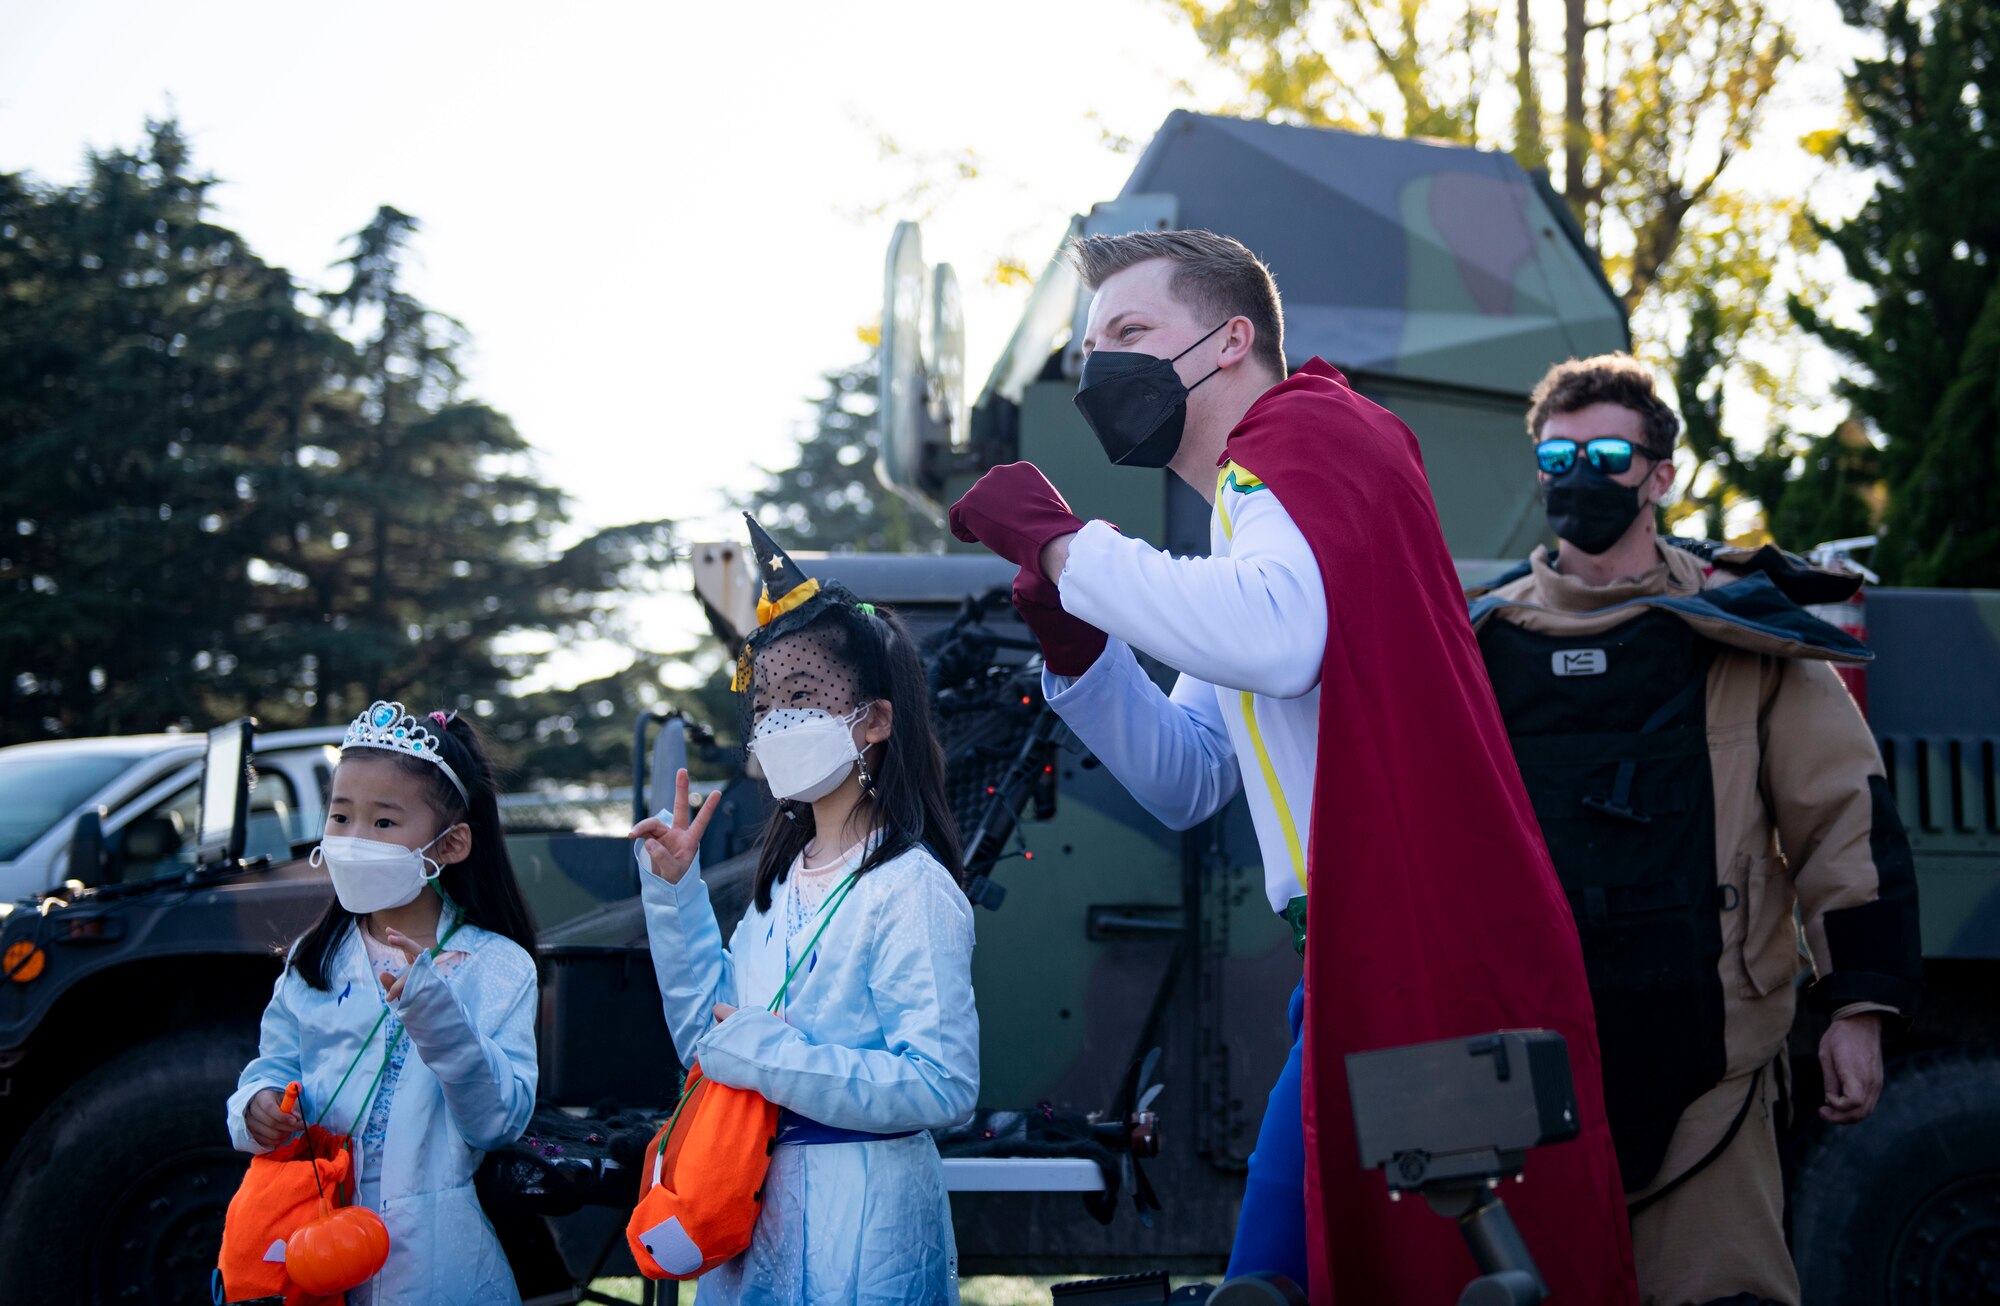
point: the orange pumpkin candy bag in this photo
(705, 1187)
(278, 1196)
(344, 1248)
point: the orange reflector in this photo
(23, 962)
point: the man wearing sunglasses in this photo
(1699, 772)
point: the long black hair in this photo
(906, 797)
(482, 886)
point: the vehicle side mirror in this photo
(86, 847)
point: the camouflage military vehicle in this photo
(1443, 282)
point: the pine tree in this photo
(1927, 244)
(212, 502)
(426, 500)
(149, 365)
(830, 498)
(1944, 518)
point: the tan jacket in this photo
(1802, 815)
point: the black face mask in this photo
(1136, 405)
(1589, 509)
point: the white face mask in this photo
(371, 875)
(806, 753)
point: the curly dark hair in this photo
(1605, 379)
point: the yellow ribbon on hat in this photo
(768, 611)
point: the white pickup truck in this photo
(146, 787)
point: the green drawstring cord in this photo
(827, 909)
(366, 1039)
(831, 906)
(387, 1052)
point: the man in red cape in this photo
(1327, 638)
(1438, 912)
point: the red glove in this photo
(1014, 511)
(1069, 644)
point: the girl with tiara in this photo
(407, 1012)
(875, 1039)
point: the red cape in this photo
(1433, 910)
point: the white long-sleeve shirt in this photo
(1246, 628)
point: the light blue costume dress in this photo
(878, 1034)
(465, 1087)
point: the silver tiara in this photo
(388, 726)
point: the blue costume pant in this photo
(1271, 1230)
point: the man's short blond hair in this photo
(1217, 277)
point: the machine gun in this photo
(999, 735)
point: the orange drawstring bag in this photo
(278, 1195)
(706, 1189)
(700, 1200)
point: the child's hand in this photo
(393, 984)
(723, 1011)
(672, 849)
(268, 1125)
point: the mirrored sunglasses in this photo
(1610, 454)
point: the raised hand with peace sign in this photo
(671, 849)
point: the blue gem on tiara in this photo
(382, 715)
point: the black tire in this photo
(117, 1192)
(1903, 1209)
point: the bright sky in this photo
(661, 222)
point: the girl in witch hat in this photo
(874, 1040)
(407, 1012)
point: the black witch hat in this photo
(782, 578)
(790, 600)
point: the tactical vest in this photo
(1611, 734)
